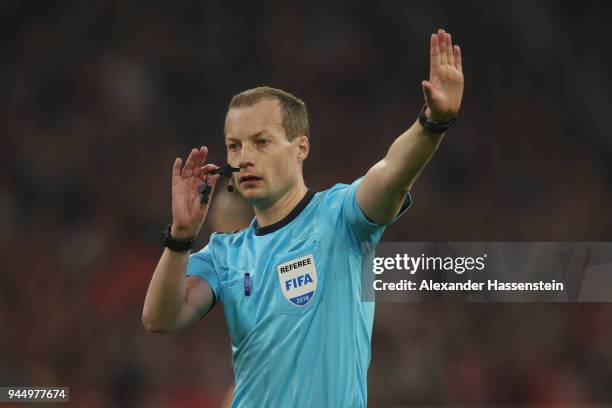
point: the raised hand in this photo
(188, 213)
(444, 90)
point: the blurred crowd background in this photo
(98, 98)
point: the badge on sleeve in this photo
(298, 279)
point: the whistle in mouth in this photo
(225, 170)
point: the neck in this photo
(281, 207)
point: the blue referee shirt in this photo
(291, 296)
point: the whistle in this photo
(204, 189)
(225, 170)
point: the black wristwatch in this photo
(433, 126)
(177, 245)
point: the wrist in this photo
(179, 232)
(439, 118)
(177, 244)
(438, 126)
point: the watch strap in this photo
(177, 245)
(433, 126)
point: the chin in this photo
(252, 194)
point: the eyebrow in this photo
(253, 136)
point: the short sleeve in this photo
(201, 265)
(359, 223)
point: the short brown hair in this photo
(293, 110)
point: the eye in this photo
(262, 142)
(232, 147)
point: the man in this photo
(290, 282)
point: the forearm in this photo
(384, 187)
(166, 294)
(408, 155)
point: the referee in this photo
(290, 282)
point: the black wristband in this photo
(177, 245)
(432, 126)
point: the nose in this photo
(245, 158)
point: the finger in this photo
(209, 167)
(198, 161)
(442, 47)
(458, 64)
(434, 53)
(427, 91)
(203, 154)
(449, 50)
(176, 167)
(199, 157)
(201, 172)
(190, 163)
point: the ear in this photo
(303, 145)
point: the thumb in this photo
(427, 91)
(204, 173)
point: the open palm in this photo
(444, 90)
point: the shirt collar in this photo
(290, 217)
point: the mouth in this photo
(249, 179)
